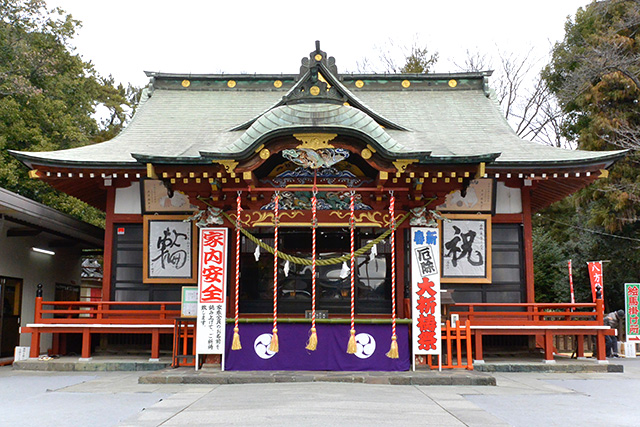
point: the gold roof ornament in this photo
(401, 164)
(231, 83)
(229, 165)
(277, 84)
(186, 83)
(453, 83)
(406, 83)
(315, 141)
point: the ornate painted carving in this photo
(208, 217)
(330, 176)
(315, 159)
(374, 218)
(327, 200)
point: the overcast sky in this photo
(125, 38)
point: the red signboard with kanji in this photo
(595, 274)
(212, 280)
(425, 286)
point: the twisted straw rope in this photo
(329, 261)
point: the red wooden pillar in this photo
(600, 346)
(155, 344)
(548, 345)
(580, 346)
(108, 244)
(528, 244)
(34, 351)
(86, 343)
(400, 270)
(478, 343)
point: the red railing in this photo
(106, 312)
(534, 314)
(456, 340)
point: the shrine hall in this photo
(316, 220)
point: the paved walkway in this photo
(29, 398)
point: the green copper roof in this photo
(436, 118)
(296, 118)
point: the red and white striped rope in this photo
(237, 290)
(314, 225)
(392, 215)
(352, 223)
(276, 220)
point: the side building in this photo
(39, 246)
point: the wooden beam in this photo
(23, 232)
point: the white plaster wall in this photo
(508, 200)
(17, 260)
(128, 199)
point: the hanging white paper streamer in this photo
(286, 268)
(344, 272)
(256, 253)
(374, 252)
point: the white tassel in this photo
(286, 268)
(344, 273)
(256, 253)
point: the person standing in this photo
(615, 320)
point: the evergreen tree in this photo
(595, 73)
(49, 97)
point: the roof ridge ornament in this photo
(316, 57)
(312, 85)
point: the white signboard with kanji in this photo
(212, 280)
(425, 290)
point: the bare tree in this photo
(415, 58)
(474, 62)
(526, 101)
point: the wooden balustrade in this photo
(521, 314)
(544, 320)
(104, 317)
(106, 312)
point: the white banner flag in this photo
(425, 290)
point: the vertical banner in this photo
(631, 309)
(425, 290)
(595, 274)
(573, 295)
(212, 281)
